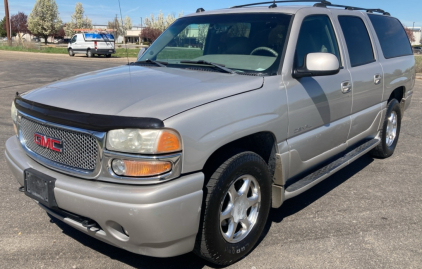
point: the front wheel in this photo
(235, 209)
(390, 131)
(71, 53)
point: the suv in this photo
(228, 113)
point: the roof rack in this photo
(320, 3)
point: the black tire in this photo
(71, 53)
(108, 55)
(210, 243)
(383, 150)
(89, 53)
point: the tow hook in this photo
(22, 189)
(89, 224)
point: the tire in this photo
(213, 241)
(108, 55)
(387, 146)
(89, 53)
(71, 53)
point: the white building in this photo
(417, 34)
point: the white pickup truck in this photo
(92, 44)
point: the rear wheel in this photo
(89, 53)
(71, 53)
(235, 209)
(390, 131)
(108, 55)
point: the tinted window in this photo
(74, 38)
(393, 39)
(316, 35)
(357, 40)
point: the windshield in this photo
(245, 43)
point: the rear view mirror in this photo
(141, 51)
(318, 64)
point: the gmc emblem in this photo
(48, 142)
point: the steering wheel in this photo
(265, 48)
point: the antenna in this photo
(121, 22)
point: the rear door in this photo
(319, 110)
(365, 69)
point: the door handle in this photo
(377, 79)
(346, 87)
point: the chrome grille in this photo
(80, 150)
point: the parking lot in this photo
(368, 215)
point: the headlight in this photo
(143, 141)
(14, 112)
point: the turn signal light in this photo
(168, 142)
(132, 168)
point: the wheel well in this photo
(263, 144)
(397, 94)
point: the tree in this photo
(118, 30)
(3, 32)
(18, 23)
(159, 22)
(150, 34)
(44, 19)
(127, 23)
(409, 34)
(78, 21)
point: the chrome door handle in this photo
(377, 79)
(346, 87)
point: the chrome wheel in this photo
(391, 132)
(240, 208)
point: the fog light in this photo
(132, 168)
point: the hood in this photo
(143, 92)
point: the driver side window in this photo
(74, 38)
(316, 35)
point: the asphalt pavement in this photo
(368, 215)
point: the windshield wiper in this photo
(219, 66)
(159, 63)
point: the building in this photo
(131, 36)
(417, 34)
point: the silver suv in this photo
(228, 113)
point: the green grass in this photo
(120, 52)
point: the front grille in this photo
(80, 150)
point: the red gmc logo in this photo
(48, 142)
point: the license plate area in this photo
(40, 187)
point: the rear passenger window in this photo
(393, 39)
(357, 40)
(316, 35)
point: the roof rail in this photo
(319, 3)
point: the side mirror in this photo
(141, 51)
(318, 64)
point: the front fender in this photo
(206, 128)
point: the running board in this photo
(311, 180)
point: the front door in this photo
(319, 107)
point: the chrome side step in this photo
(311, 180)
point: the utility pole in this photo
(8, 26)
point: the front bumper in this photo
(161, 220)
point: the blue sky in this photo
(408, 11)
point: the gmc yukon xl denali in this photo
(228, 113)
